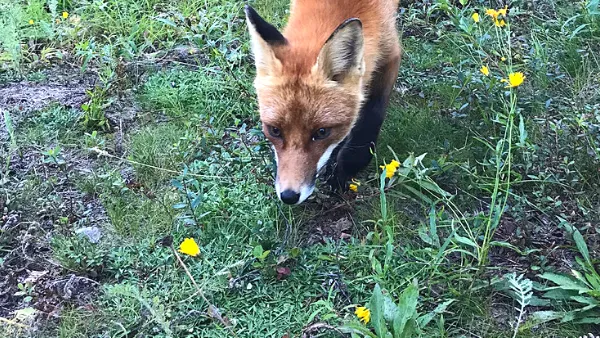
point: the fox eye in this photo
(274, 131)
(321, 133)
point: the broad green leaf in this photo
(166, 22)
(565, 282)
(592, 319)
(560, 294)
(581, 246)
(522, 131)
(465, 240)
(258, 251)
(357, 328)
(419, 194)
(541, 317)
(389, 309)
(425, 319)
(594, 280)
(585, 300)
(377, 308)
(425, 236)
(407, 307)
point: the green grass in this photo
(488, 199)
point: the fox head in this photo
(309, 98)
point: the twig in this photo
(200, 292)
(319, 326)
(12, 322)
(107, 154)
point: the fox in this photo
(323, 85)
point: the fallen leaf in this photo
(283, 272)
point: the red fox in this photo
(323, 86)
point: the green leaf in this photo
(424, 320)
(357, 328)
(258, 251)
(433, 226)
(585, 300)
(565, 282)
(377, 312)
(595, 319)
(166, 22)
(407, 307)
(541, 317)
(295, 252)
(264, 255)
(465, 240)
(581, 246)
(522, 132)
(560, 294)
(389, 309)
(425, 236)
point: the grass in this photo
(479, 236)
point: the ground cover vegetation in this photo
(136, 187)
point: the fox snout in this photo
(294, 182)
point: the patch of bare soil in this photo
(332, 220)
(27, 96)
(553, 246)
(29, 276)
(38, 200)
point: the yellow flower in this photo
(499, 23)
(363, 314)
(503, 11)
(189, 247)
(475, 17)
(485, 70)
(390, 169)
(503, 59)
(354, 185)
(514, 80)
(65, 15)
(493, 13)
(31, 22)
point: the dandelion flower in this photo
(354, 185)
(503, 11)
(493, 13)
(390, 169)
(189, 247)
(65, 15)
(475, 17)
(514, 80)
(503, 59)
(363, 314)
(499, 23)
(31, 22)
(485, 70)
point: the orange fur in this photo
(295, 96)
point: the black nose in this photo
(289, 196)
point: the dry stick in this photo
(12, 322)
(107, 154)
(200, 292)
(319, 326)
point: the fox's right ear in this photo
(264, 37)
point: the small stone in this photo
(93, 234)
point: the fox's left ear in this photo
(264, 37)
(342, 56)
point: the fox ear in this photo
(264, 37)
(342, 54)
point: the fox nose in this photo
(289, 196)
